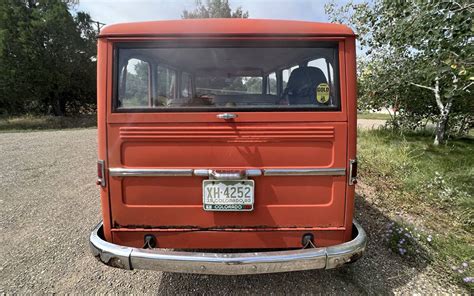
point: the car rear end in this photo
(227, 134)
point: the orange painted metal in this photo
(103, 63)
(351, 101)
(286, 207)
(228, 239)
(225, 27)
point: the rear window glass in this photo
(134, 83)
(212, 85)
(165, 78)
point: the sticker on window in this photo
(322, 93)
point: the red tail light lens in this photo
(353, 172)
(101, 173)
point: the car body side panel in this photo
(103, 63)
(351, 101)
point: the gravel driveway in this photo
(370, 123)
(49, 203)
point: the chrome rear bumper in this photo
(227, 263)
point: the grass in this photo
(366, 115)
(434, 185)
(31, 123)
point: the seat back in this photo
(302, 84)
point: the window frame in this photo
(190, 85)
(267, 84)
(227, 43)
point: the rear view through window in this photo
(155, 78)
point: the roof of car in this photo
(221, 27)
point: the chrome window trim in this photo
(149, 172)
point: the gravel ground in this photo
(49, 203)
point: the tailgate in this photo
(303, 184)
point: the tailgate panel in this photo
(280, 201)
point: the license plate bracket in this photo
(228, 195)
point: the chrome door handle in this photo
(227, 116)
(227, 175)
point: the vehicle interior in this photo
(161, 78)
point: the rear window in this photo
(275, 77)
(228, 86)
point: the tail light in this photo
(353, 172)
(100, 173)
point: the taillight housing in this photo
(353, 172)
(101, 173)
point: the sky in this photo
(116, 11)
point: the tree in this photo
(217, 9)
(416, 49)
(47, 57)
(214, 9)
(254, 85)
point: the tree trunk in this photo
(58, 107)
(441, 128)
(444, 109)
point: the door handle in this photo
(228, 174)
(227, 116)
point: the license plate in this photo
(235, 195)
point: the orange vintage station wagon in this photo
(227, 146)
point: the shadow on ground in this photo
(380, 271)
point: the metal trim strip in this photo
(148, 172)
(142, 172)
(305, 172)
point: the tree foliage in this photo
(217, 9)
(419, 59)
(214, 9)
(47, 57)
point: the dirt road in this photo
(49, 203)
(370, 123)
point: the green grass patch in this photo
(31, 123)
(434, 184)
(366, 115)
